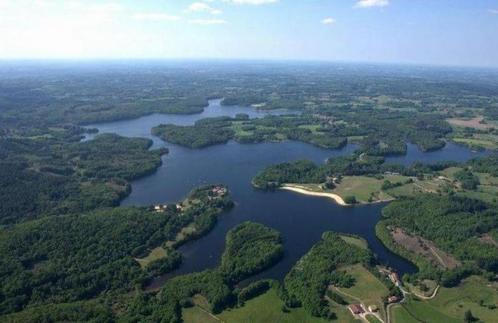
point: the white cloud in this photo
(203, 7)
(207, 21)
(252, 2)
(493, 11)
(371, 3)
(328, 21)
(155, 16)
(106, 7)
(4, 3)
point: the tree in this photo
(468, 317)
(351, 199)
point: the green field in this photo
(367, 287)
(479, 141)
(363, 187)
(450, 304)
(372, 319)
(155, 254)
(486, 191)
(401, 315)
(267, 308)
(357, 241)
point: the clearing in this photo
(367, 288)
(425, 248)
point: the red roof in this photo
(356, 308)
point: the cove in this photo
(300, 219)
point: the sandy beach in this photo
(303, 190)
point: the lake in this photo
(301, 219)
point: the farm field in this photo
(474, 294)
(367, 287)
(268, 308)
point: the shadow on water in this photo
(300, 219)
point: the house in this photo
(219, 190)
(356, 309)
(392, 299)
(394, 278)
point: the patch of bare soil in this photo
(486, 238)
(425, 248)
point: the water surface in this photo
(301, 219)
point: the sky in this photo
(435, 32)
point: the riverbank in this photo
(302, 190)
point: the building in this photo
(394, 278)
(356, 309)
(219, 190)
(392, 299)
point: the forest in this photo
(48, 176)
(246, 240)
(379, 133)
(306, 283)
(454, 224)
(68, 252)
(62, 259)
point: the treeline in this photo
(379, 133)
(213, 131)
(61, 259)
(487, 164)
(206, 132)
(251, 248)
(307, 172)
(305, 285)
(50, 176)
(454, 224)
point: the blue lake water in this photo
(300, 219)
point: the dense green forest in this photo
(217, 285)
(454, 224)
(45, 176)
(69, 253)
(204, 133)
(63, 93)
(380, 133)
(306, 283)
(61, 259)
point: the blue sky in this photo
(441, 32)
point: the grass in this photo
(367, 287)
(401, 315)
(357, 241)
(198, 313)
(155, 254)
(450, 304)
(431, 285)
(267, 308)
(363, 187)
(481, 141)
(372, 319)
(455, 301)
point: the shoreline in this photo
(298, 189)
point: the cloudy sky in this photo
(449, 32)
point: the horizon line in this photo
(242, 59)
